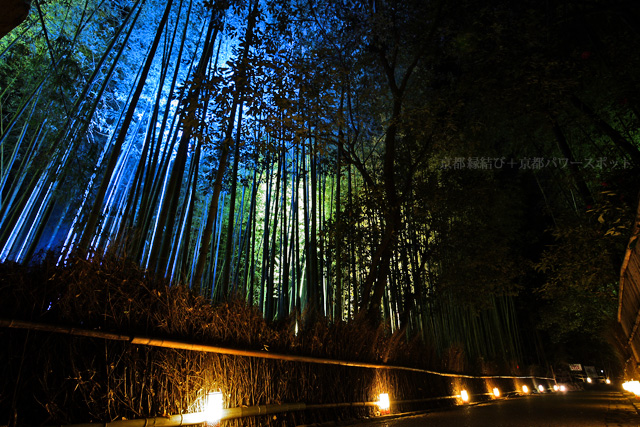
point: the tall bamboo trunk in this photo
(226, 271)
(241, 83)
(164, 232)
(92, 220)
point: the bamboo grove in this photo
(287, 153)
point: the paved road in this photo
(573, 409)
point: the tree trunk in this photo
(563, 145)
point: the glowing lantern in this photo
(464, 396)
(496, 392)
(632, 387)
(383, 403)
(525, 389)
(608, 381)
(541, 388)
(563, 388)
(555, 387)
(213, 407)
(589, 380)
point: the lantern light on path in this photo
(383, 403)
(213, 407)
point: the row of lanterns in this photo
(383, 402)
(214, 406)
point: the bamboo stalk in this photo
(182, 345)
(33, 326)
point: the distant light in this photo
(555, 387)
(213, 407)
(589, 380)
(525, 389)
(541, 388)
(496, 392)
(464, 396)
(563, 388)
(383, 402)
(608, 381)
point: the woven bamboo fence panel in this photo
(629, 297)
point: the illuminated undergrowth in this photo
(76, 379)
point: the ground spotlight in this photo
(383, 403)
(632, 387)
(213, 407)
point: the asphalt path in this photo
(572, 409)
